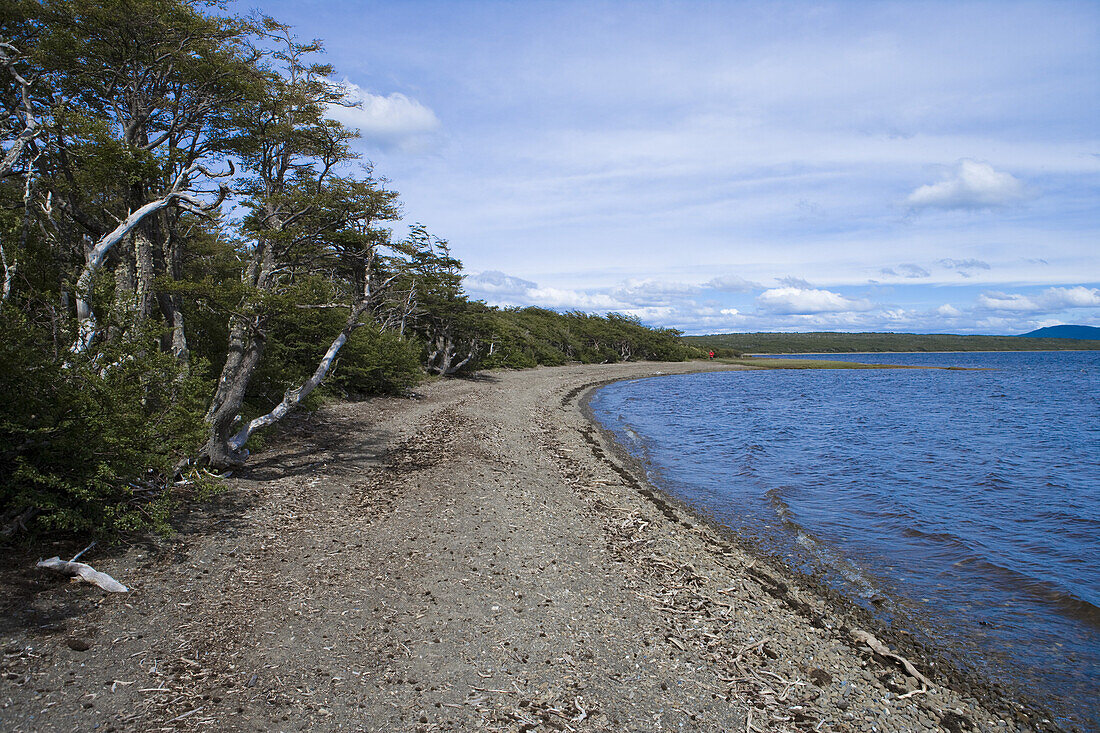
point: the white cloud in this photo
(971, 185)
(497, 283)
(1075, 297)
(393, 121)
(732, 284)
(948, 311)
(1048, 301)
(794, 282)
(565, 299)
(1007, 302)
(498, 288)
(650, 292)
(807, 301)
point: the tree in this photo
(302, 217)
(439, 309)
(137, 93)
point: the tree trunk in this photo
(9, 273)
(444, 354)
(94, 255)
(125, 273)
(294, 397)
(246, 345)
(144, 272)
(171, 304)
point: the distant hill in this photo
(1091, 333)
(828, 342)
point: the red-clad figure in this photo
(711, 353)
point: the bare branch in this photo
(94, 257)
(8, 54)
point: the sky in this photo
(732, 166)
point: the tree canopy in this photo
(190, 249)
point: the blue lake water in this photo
(963, 505)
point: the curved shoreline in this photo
(477, 557)
(926, 655)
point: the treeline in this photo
(831, 343)
(190, 249)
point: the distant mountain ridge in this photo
(1091, 333)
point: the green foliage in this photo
(526, 337)
(301, 328)
(377, 362)
(93, 448)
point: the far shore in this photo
(479, 557)
(873, 353)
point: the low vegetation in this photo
(825, 343)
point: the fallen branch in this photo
(879, 648)
(84, 572)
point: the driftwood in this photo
(83, 571)
(879, 648)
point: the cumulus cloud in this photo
(1048, 301)
(502, 289)
(948, 311)
(497, 283)
(1076, 297)
(733, 284)
(996, 300)
(970, 185)
(649, 292)
(807, 301)
(566, 299)
(393, 121)
(965, 268)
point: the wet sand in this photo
(480, 557)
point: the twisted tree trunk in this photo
(246, 346)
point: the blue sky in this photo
(726, 166)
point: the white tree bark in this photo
(294, 397)
(8, 54)
(85, 572)
(9, 273)
(93, 258)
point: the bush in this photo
(91, 446)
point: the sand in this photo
(478, 557)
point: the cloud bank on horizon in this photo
(735, 166)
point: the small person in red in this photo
(711, 354)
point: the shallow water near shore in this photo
(964, 505)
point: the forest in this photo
(190, 249)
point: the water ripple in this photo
(972, 495)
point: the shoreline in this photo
(926, 655)
(475, 557)
(872, 353)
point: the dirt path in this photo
(475, 559)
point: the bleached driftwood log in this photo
(84, 572)
(879, 648)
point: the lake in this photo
(963, 505)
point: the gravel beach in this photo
(478, 557)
